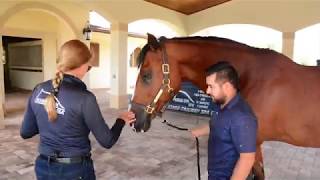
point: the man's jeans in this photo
(46, 170)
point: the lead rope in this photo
(197, 144)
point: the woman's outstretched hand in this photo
(128, 116)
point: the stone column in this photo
(119, 44)
(50, 56)
(2, 91)
(288, 44)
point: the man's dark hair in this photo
(225, 72)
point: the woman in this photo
(64, 112)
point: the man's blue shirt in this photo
(233, 130)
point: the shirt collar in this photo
(74, 80)
(233, 101)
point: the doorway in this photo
(23, 69)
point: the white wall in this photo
(34, 20)
(99, 77)
(252, 35)
(127, 11)
(2, 95)
(307, 45)
(284, 15)
(154, 26)
(64, 33)
(133, 71)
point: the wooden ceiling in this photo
(187, 6)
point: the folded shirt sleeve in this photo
(244, 133)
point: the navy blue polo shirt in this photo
(78, 115)
(233, 130)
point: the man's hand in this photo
(128, 117)
(200, 131)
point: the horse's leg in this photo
(258, 165)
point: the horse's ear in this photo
(153, 42)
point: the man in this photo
(232, 129)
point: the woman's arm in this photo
(29, 126)
(93, 118)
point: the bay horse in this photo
(285, 96)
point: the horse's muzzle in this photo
(143, 119)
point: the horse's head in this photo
(158, 81)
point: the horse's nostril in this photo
(132, 124)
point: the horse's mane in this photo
(162, 39)
(222, 40)
(207, 38)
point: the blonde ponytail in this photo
(72, 55)
(50, 102)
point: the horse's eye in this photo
(146, 77)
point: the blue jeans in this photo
(46, 170)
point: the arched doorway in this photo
(30, 36)
(307, 46)
(253, 35)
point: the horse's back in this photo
(287, 104)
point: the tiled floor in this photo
(162, 153)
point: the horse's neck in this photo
(196, 58)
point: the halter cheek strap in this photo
(165, 83)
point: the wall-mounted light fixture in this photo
(87, 31)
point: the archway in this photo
(307, 45)
(38, 29)
(38, 6)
